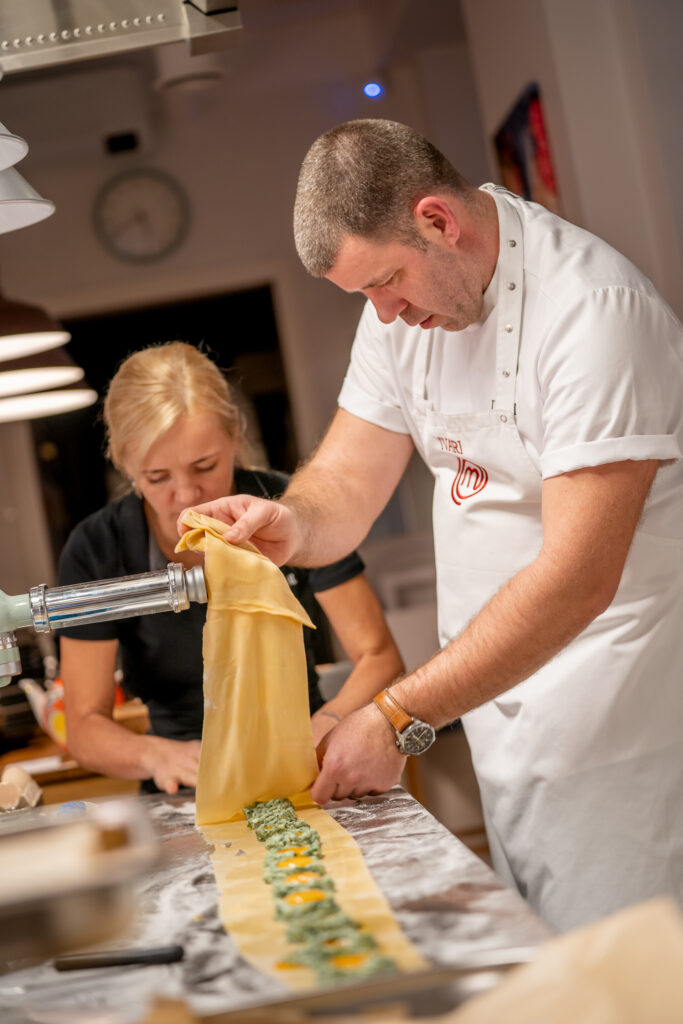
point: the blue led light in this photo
(373, 90)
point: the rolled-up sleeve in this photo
(611, 378)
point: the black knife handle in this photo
(119, 958)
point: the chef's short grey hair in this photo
(363, 178)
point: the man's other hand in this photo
(359, 756)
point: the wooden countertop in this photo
(60, 777)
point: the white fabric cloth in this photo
(580, 766)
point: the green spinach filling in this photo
(328, 940)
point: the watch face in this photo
(141, 215)
(416, 738)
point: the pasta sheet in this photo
(257, 741)
(247, 907)
(257, 744)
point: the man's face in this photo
(434, 287)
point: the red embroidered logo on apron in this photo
(469, 480)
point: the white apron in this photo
(581, 766)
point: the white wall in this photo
(611, 82)
(659, 28)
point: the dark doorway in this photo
(237, 330)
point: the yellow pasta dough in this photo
(256, 741)
(257, 744)
(246, 902)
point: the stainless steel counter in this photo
(449, 903)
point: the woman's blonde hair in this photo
(155, 387)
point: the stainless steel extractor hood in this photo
(45, 33)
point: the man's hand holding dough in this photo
(269, 525)
(357, 757)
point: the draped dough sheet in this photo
(257, 741)
(257, 744)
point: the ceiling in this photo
(394, 29)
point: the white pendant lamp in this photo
(24, 329)
(12, 148)
(19, 382)
(46, 403)
(39, 372)
(20, 204)
(27, 387)
(27, 329)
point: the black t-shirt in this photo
(161, 655)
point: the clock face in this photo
(141, 215)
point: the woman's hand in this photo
(101, 744)
(172, 763)
(322, 721)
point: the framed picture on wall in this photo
(524, 154)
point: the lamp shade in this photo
(46, 403)
(20, 382)
(26, 329)
(12, 148)
(21, 379)
(20, 204)
(39, 372)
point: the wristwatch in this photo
(412, 735)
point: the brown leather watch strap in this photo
(392, 710)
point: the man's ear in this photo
(436, 220)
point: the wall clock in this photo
(141, 215)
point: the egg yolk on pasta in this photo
(294, 862)
(296, 899)
(304, 878)
(349, 960)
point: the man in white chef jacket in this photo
(540, 377)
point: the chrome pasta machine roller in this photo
(47, 608)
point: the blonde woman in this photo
(174, 431)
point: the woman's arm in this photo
(97, 741)
(356, 617)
